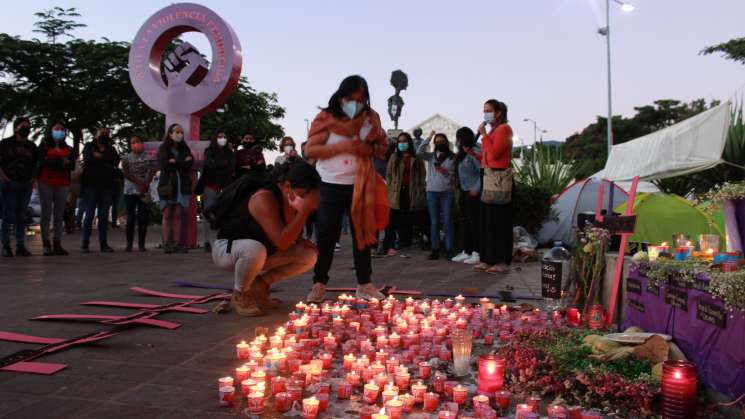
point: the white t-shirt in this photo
(342, 168)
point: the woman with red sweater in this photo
(496, 219)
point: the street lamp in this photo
(535, 129)
(625, 7)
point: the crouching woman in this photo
(259, 237)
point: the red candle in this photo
(448, 388)
(491, 374)
(255, 402)
(503, 399)
(366, 412)
(224, 382)
(323, 388)
(489, 340)
(282, 402)
(408, 401)
(480, 400)
(460, 394)
(534, 402)
(327, 358)
(573, 317)
(556, 411)
(431, 400)
(354, 379)
(349, 361)
(242, 350)
(241, 373)
(417, 391)
(402, 379)
(394, 408)
(425, 370)
(678, 389)
(310, 408)
(370, 393)
(594, 414)
(438, 383)
(278, 384)
(343, 390)
(294, 392)
(323, 402)
(446, 414)
(227, 395)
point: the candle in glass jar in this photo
(282, 402)
(242, 350)
(279, 384)
(425, 370)
(349, 360)
(418, 390)
(343, 390)
(227, 395)
(326, 360)
(380, 415)
(556, 411)
(394, 408)
(491, 374)
(370, 393)
(255, 402)
(391, 364)
(310, 408)
(679, 389)
(353, 378)
(402, 379)
(241, 373)
(431, 400)
(394, 340)
(323, 402)
(389, 394)
(573, 317)
(460, 394)
(479, 400)
(224, 382)
(522, 408)
(408, 401)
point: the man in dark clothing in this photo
(100, 164)
(18, 158)
(249, 157)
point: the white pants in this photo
(248, 258)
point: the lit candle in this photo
(503, 399)
(343, 390)
(402, 379)
(425, 370)
(282, 402)
(310, 408)
(241, 373)
(522, 408)
(349, 360)
(418, 390)
(242, 351)
(353, 378)
(460, 394)
(431, 400)
(227, 395)
(679, 389)
(224, 382)
(394, 340)
(573, 317)
(394, 408)
(556, 411)
(370, 393)
(380, 415)
(326, 360)
(323, 402)
(389, 393)
(480, 400)
(255, 403)
(279, 384)
(408, 401)
(491, 374)
(391, 364)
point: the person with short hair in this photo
(174, 186)
(289, 154)
(56, 161)
(138, 168)
(249, 158)
(260, 237)
(18, 162)
(99, 168)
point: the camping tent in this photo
(660, 216)
(581, 196)
(690, 146)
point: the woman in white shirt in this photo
(345, 134)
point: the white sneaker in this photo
(317, 293)
(473, 259)
(368, 292)
(461, 257)
(337, 248)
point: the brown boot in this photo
(244, 303)
(262, 290)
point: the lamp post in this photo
(535, 129)
(626, 7)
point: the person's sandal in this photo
(497, 270)
(481, 267)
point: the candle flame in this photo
(664, 244)
(688, 244)
(678, 375)
(382, 411)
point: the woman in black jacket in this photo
(174, 186)
(219, 165)
(100, 161)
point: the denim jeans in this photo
(15, 196)
(97, 202)
(440, 206)
(138, 213)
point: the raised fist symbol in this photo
(185, 65)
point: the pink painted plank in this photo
(145, 306)
(154, 293)
(42, 368)
(621, 253)
(18, 337)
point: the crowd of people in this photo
(256, 215)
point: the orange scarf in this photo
(363, 197)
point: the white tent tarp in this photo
(689, 146)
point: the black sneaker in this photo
(22, 251)
(58, 250)
(85, 248)
(128, 248)
(207, 247)
(434, 255)
(7, 252)
(47, 248)
(106, 249)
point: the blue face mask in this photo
(58, 135)
(403, 147)
(350, 108)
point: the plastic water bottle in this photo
(555, 274)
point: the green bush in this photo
(531, 207)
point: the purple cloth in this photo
(719, 354)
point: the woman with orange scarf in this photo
(343, 138)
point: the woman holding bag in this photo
(496, 194)
(174, 186)
(343, 138)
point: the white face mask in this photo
(178, 137)
(351, 108)
(288, 149)
(297, 202)
(222, 141)
(488, 117)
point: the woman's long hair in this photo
(446, 154)
(299, 173)
(501, 108)
(347, 87)
(464, 137)
(213, 140)
(399, 153)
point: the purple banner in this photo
(716, 346)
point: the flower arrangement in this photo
(588, 261)
(730, 287)
(723, 192)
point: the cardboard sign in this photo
(711, 313)
(653, 288)
(618, 224)
(677, 298)
(677, 280)
(551, 275)
(636, 305)
(701, 284)
(634, 285)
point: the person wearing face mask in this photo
(55, 164)
(260, 234)
(219, 165)
(418, 140)
(468, 164)
(496, 218)
(405, 176)
(440, 185)
(289, 154)
(343, 138)
(174, 186)
(139, 169)
(18, 161)
(100, 162)
(249, 158)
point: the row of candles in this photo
(382, 344)
(684, 248)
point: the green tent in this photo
(717, 217)
(660, 216)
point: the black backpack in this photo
(234, 194)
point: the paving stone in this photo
(56, 407)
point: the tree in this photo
(734, 50)
(86, 85)
(588, 149)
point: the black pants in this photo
(137, 213)
(401, 224)
(470, 209)
(335, 199)
(496, 236)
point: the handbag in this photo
(165, 191)
(497, 187)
